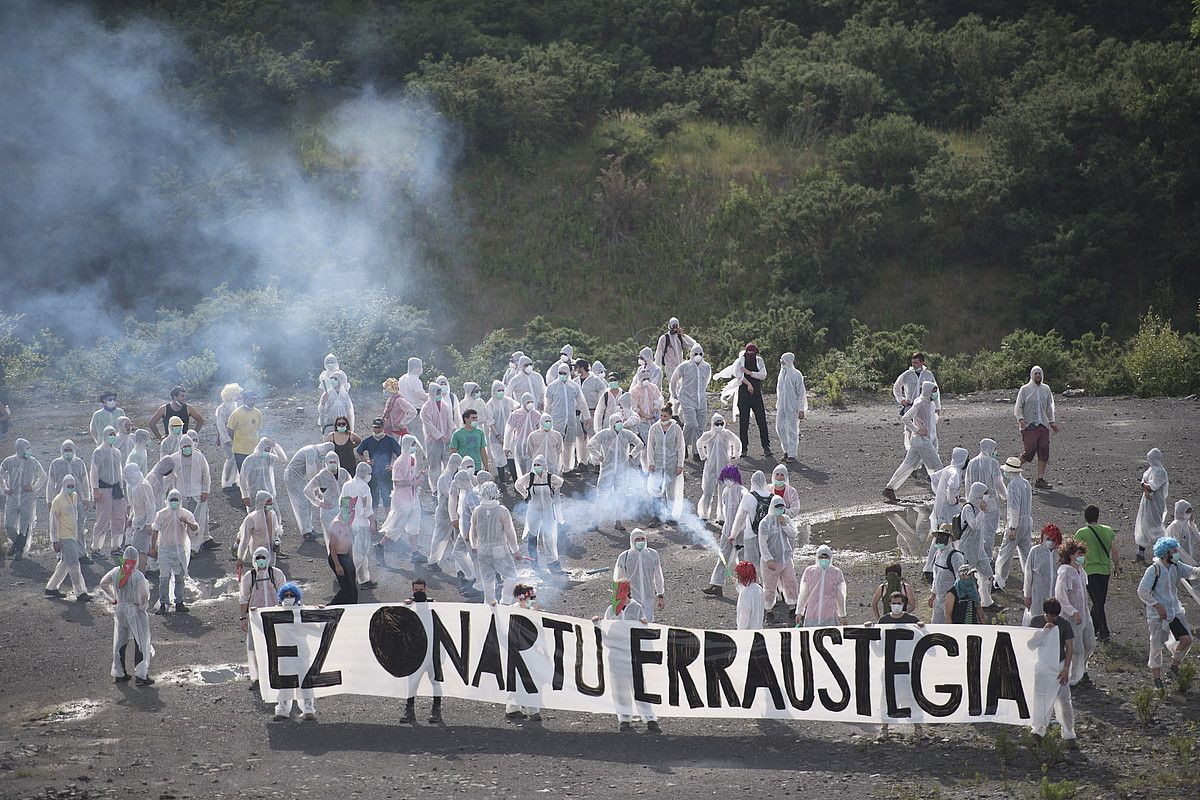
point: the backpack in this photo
(957, 525)
(953, 570)
(761, 510)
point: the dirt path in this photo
(66, 730)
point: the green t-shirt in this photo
(469, 443)
(1099, 541)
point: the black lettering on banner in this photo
(719, 653)
(314, 678)
(760, 674)
(1004, 677)
(459, 655)
(489, 658)
(974, 667)
(276, 651)
(638, 657)
(580, 684)
(819, 638)
(398, 640)
(683, 648)
(922, 647)
(805, 701)
(559, 629)
(522, 635)
(862, 638)
(892, 668)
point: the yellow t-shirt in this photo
(63, 510)
(245, 424)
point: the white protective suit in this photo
(791, 404)
(526, 380)
(305, 465)
(947, 486)
(174, 528)
(1035, 401)
(643, 569)
(408, 472)
(69, 463)
(822, 600)
(781, 486)
(513, 366)
(1018, 533)
(920, 421)
(564, 359)
(362, 517)
(663, 457)
(142, 507)
(131, 617)
(495, 423)
(654, 373)
(262, 527)
(906, 389)
(777, 542)
(647, 399)
(323, 490)
(443, 525)
(522, 421)
(613, 401)
(1183, 530)
(455, 409)
(673, 348)
(194, 482)
(493, 538)
(985, 469)
(719, 447)
(617, 450)
(231, 396)
(689, 389)
(335, 402)
(109, 494)
(568, 411)
(462, 506)
(976, 542)
(258, 469)
(438, 423)
(541, 520)
(1148, 526)
(1041, 571)
(945, 573)
(412, 390)
(546, 442)
(754, 507)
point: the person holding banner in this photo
(524, 596)
(642, 568)
(750, 602)
(493, 537)
(962, 604)
(946, 560)
(822, 600)
(624, 607)
(420, 595)
(1051, 619)
(898, 615)
(289, 596)
(259, 589)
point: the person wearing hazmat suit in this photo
(976, 542)
(413, 391)
(398, 413)
(1183, 530)
(404, 517)
(791, 404)
(947, 559)
(1159, 590)
(1019, 530)
(290, 596)
(647, 399)
(171, 545)
(262, 527)
(140, 453)
(124, 438)
(947, 488)
(142, 508)
(522, 421)
(777, 542)
(258, 470)
(545, 441)
(592, 384)
(526, 380)
(641, 566)
(1070, 589)
(540, 488)
(673, 348)
(329, 366)
(64, 540)
(920, 420)
(193, 481)
(108, 532)
(719, 447)
(128, 590)
(362, 522)
(653, 372)
(985, 469)
(569, 416)
(730, 493)
(305, 465)
(323, 490)
(1148, 525)
(457, 554)
(449, 396)
(1041, 571)
(443, 524)
(439, 426)
(617, 450)
(105, 417)
(822, 600)
(907, 388)
(564, 359)
(170, 443)
(494, 419)
(613, 401)
(689, 393)
(663, 458)
(512, 367)
(493, 539)
(259, 588)
(753, 509)
(1036, 419)
(781, 486)
(623, 607)
(335, 402)
(69, 463)
(472, 400)
(231, 397)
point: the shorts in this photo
(1178, 629)
(1036, 439)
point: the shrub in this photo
(786, 91)
(778, 328)
(1145, 703)
(1186, 676)
(1159, 360)
(1056, 790)
(886, 151)
(21, 362)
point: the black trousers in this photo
(752, 402)
(1098, 591)
(347, 594)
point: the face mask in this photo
(529, 406)
(176, 431)
(261, 563)
(780, 483)
(173, 504)
(187, 451)
(69, 489)
(333, 467)
(778, 511)
(266, 454)
(547, 426)
(289, 600)
(614, 385)
(897, 608)
(538, 470)
(697, 358)
(420, 597)
(823, 563)
(112, 438)
(268, 507)
(68, 455)
(498, 393)
(341, 428)
(940, 545)
(344, 512)
(528, 369)
(1080, 560)
(378, 435)
(639, 545)
(562, 377)
(618, 426)
(469, 424)
(642, 361)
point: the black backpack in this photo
(957, 524)
(760, 511)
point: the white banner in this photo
(939, 673)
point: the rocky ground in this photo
(67, 731)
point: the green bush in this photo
(797, 97)
(777, 328)
(1159, 361)
(21, 362)
(886, 151)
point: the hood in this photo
(415, 367)
(1038, 370)
(959, 457)
(527, 397)
(109, 430)
(467, 463)
(175, 494)
(453, 464)
(539, 461)
(715, 419)
(69, 480)
(987, 447)
(408, 444)
(331, 362)
(672, 323)
(1181, 509)
(489, 493)
(776, 502)
(697, 350)
(497, 385)
(21, 445)
(825, 550)
(339, 378)
(164, 467)
(788, 359)
(927, 389)
(332, 458)
(263, 446)
(614, 419)
(130, 553)
(124, 426)
(482, 477)
(567, 351)
(781, 472)
(598, 369)
(132, 474)
(1154, 458)
(463, 479)
(636, 534)
(525, 361)
(66, 445)
(647, 354)
(260, 499)
(758, 482)
(261, 552)
(362, 470)
(547, 418)
(470, 388)
(141, 437)
(324, 448)
(185, 441)
(976, 493)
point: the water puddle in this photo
(210, 591)
(74, 711)
(204, 674)
(865, 532)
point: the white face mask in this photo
(697, 358)
(897, 608)
(290, 600)
(529, 406)
(528, 369)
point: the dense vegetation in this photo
(945, 170)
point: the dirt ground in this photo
(67, 731)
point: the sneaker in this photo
(514, 715)
(713, 591)
(279, 718)
(84, 598)
(253, 687)
(409, 717)
(210, 544)
(308, 716)
(121, 679)
(162, 610)
(889, 494)
(653, 727)
(147, 681)
(369, 585)
(788, 459)
(180, 608)
(624, 727)
(55, 593)
(1042, 483)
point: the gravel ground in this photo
(67, 731)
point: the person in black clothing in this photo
(751, 370)
(193, 420)
(419, 595)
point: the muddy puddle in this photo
(204, 674)
(869, 532)
(67, 713)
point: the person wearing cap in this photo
(689, 394)
(822, 599)
(907, 388)
(961, 605)
(128, 590)
(243, 427)
(177, 407)
(259, 588)
(1018, 535)
(1041, 571)
(1036, 419)
(947, 558)
(105, 416)
(1103, 562)
(169, 445)
(379, 450)
(673, 349)
(750, 371)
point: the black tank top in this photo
(182, 413)
(345, 454)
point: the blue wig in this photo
(1165, 545)
(291, 587)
